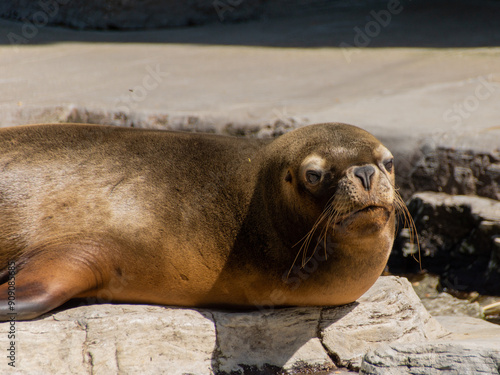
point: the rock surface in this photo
(387, 331)
(110, 339)
(432, 358)
(472, 348)
(135, 339)
(447, 305)
(456, 171)
(459, 240)
(390, 312)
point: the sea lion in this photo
(172, 218)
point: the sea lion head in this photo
(338, 181)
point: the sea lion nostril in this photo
(365, 174)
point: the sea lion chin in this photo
(128, 215)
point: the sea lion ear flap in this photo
(288, 177)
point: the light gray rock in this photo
(443, 304)
(472, 329)
(138, 339)
(44, 347)
(446, 304)
(432, 358)
(472, 347)
(173, 341)
(388, 322)
(279, 338)
(112, 339)
(390, 312)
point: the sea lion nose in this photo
(365, 174)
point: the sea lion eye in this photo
(388, 165)
(313, 177)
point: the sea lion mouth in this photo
(371, 210)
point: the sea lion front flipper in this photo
(45, 282)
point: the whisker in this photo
(409, 223)
(332, 212)
(325, 214)
(306, 240)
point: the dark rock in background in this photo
(456, 171)
(459, 240)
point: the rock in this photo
(111, 339)
(472, 348)
(388, 322)
(447, 305)
(45, 347)
(456, 171)
(133, 339)
(390, 312)
(156, 120)
(274, 339)
(468, 328)
(434, 358)
(492, 309)
(458, 241)
(439, 303)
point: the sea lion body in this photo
(189, 219)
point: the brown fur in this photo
(190, 219)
